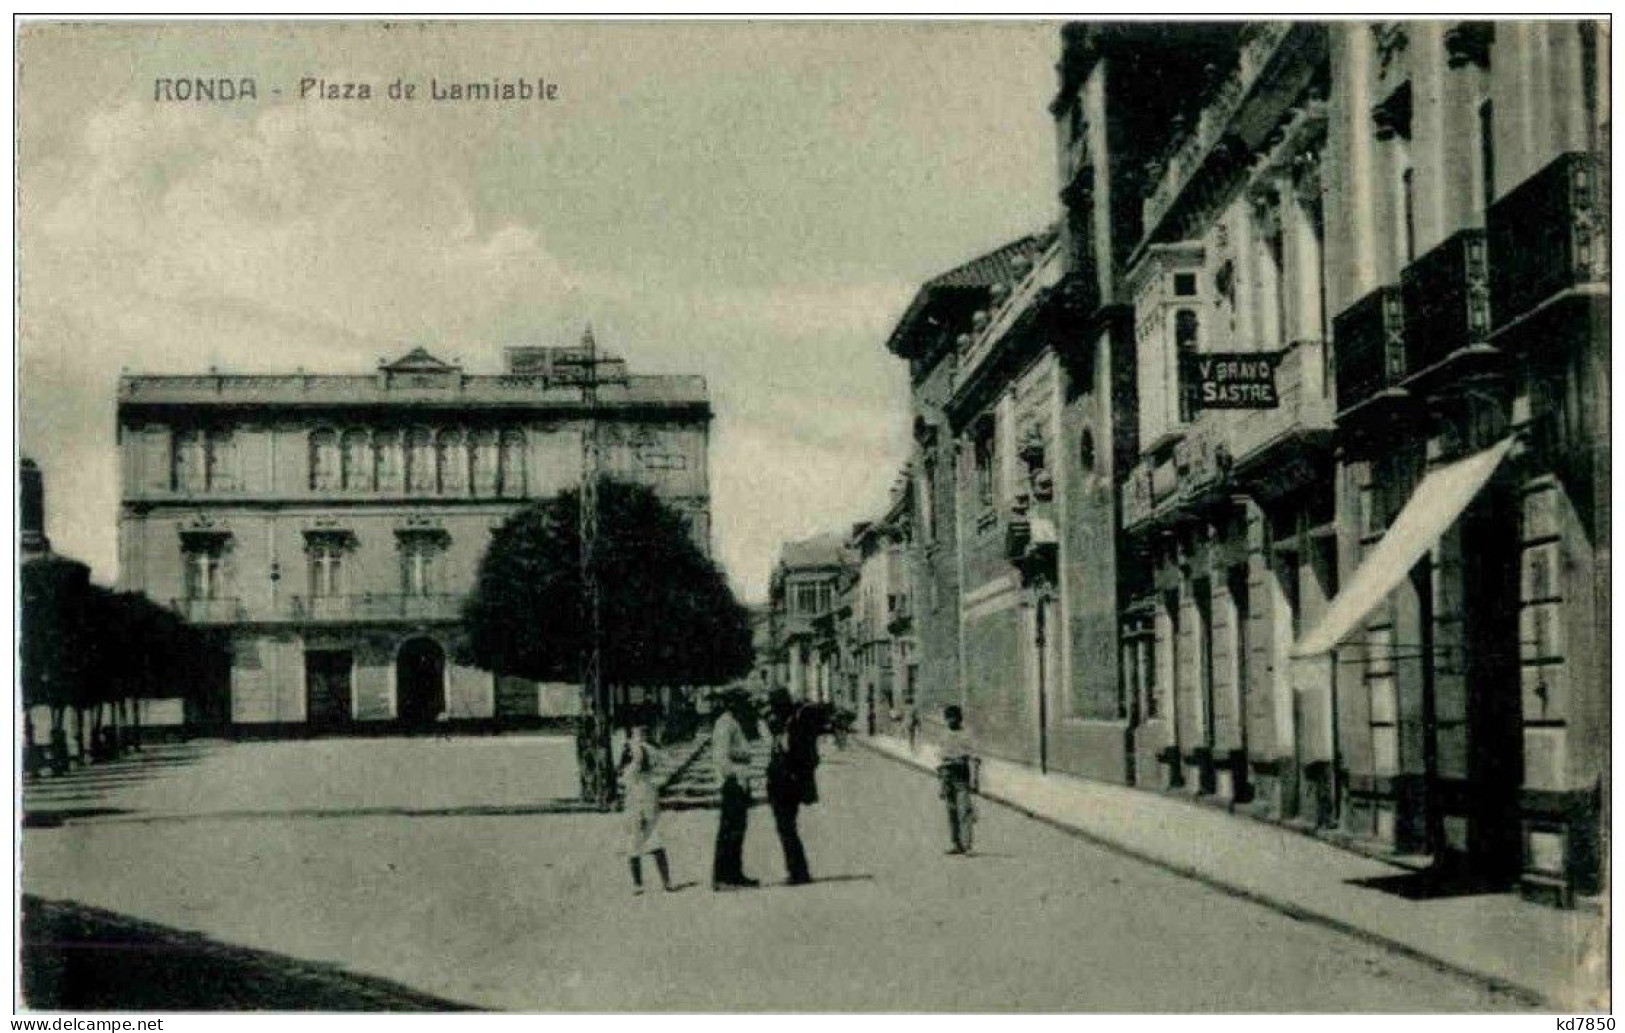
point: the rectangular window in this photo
(417, 564)
(1407, 183)
(203, 572)
(927, 505)
(1486, 150)
(983, 458)
(326, 567)
(1187, 333)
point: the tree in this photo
(668, 616)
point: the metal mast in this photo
(597, 766)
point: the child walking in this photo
(957, 774)
(638, 763)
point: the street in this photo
(456, 868)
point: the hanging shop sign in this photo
(1232, 380)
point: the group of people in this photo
(793, 729)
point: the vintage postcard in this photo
(814, 516)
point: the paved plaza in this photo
(457, 869)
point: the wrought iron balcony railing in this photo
(375, 607)
(1447, 300)
(1550, 234)
(214, 610)
(1369, 337)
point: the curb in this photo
(1534, 998)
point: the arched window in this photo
(386, 451)
(324, 460)
(419, 461)
(357, 461)
(451, 462)
(513, 464)
(483, 459)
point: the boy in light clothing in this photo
(956, 772)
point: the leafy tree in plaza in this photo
(668, 615)
(96, 652)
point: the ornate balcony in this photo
(374, 607)
(209, 611)
(1136, 496)
(1550, 234)
(1447, 301)
(1202, 461)
(1370, 340)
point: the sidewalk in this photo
(1559, 956)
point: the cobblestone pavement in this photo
(448, 867)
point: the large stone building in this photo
(331, 524)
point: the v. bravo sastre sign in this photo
(1232, 380)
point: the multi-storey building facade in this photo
(928, 337)
(1279, 470)
(804, 586)
(1467, 277)
(880, 629)
(1374, 602)
(331, 524)
(1229, 511)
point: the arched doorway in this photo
(420, 682)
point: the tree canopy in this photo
(668, 616)
(83, 644)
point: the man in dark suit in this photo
(790, 777)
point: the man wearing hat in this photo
(790, 776)
(730, 752)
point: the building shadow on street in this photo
(1435, 884)
(79, 958)
(559, 805)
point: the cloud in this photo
(311, 238)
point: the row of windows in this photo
(325, 562)
(450, 462)
(810, 600)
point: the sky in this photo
(754, 202)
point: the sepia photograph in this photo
(930, 515)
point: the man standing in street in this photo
(790, 777)
(730, 753)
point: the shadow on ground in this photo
(1434, 884)
(77, 958)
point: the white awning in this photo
(1436, 503)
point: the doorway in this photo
(327, 688)
(420, 682)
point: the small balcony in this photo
(1305, 406)
(1550, 235)
(901, 617)
(1136, 496)
(1370, 347)
(374, 607)
(1201, 461)
(1447, 302)
(209, 611)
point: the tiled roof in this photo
(994, 267)
(980, 273)
(825, 550)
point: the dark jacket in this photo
(792, 766)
